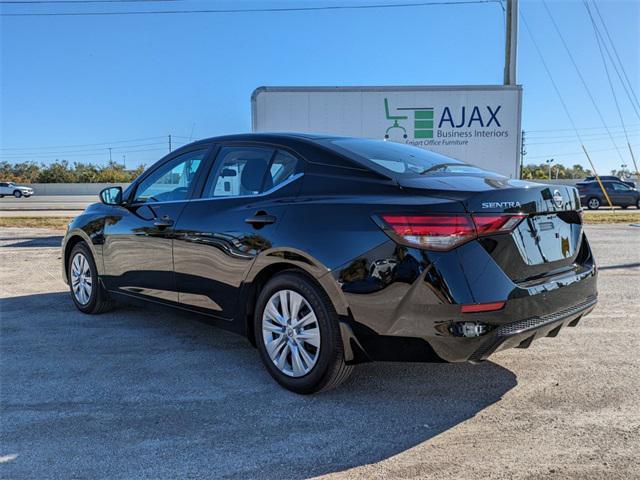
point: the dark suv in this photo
(621, 194)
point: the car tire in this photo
(88, 294)
(593, 203)
(638, 204)
(17, 193)
(624, 207)
(308, 358)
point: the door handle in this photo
(163, 222)
(260, 219)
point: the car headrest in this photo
(253, 174)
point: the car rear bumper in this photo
(522, 333)
(415, 318)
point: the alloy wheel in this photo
(594, 203)
(291, 333)
(81, 281)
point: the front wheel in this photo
(593, 203)
(638, 204)
(17, 194)
(86, 291)
(298, 335)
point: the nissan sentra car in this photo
(329, 251)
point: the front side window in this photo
(171, 182)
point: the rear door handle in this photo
(163, 222)
(261, 219)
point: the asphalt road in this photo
(72, 205)
(142, 393)
(46, 202)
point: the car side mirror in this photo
(111, 196)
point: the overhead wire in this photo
(251, 10)
(615, 51)
(584, 83)
(564, 105)
(600, 41)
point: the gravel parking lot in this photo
(141, 393)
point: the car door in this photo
(4, 188)
(137, 248)
(624, 194)
(236, 217)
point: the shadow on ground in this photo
(34, 242)
(140, 393)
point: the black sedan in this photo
(620, 194)
(330, 251)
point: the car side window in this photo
(239, 171)
(621, 187)
(283, 167)
(171, 182)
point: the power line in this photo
(250, 10)
(87, 150)
(568, 154)
(82, 144)
(62, 156)
(613, 127)
(564, 106)
(584, 83)
(600, 42)
(36, 2)
(615, 51)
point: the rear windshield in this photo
(400, 160)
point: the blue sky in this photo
(69, 81)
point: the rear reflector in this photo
(482, 307)
(444, 232)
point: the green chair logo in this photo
(422, 121)
(395, 119)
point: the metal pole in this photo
(169, 143)
(109, 154)
(511, 43)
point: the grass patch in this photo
(59, 223)
(617, 216)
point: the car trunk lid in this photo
(547, 241)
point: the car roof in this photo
(269, 137)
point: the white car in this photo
(10, 188)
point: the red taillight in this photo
(444, 232)
(482, 307)
(487, 224)
(434, 232)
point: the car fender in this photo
(282, 257)
(73, 234)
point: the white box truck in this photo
(476, 124)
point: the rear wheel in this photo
(86, 291)
(593, 203)
(17, 193)
(638, 204)
(298, 335)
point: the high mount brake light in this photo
(444, 232)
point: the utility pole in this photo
(523, 152)
(124, 162)
(109, 154)
(511, 43)
(169, 143)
